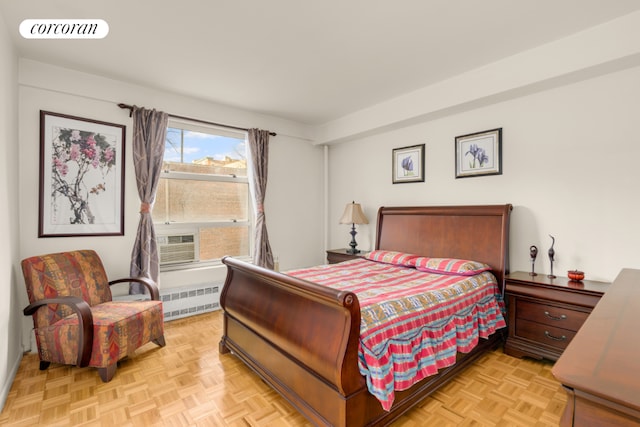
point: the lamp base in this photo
(353, 242)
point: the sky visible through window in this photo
(198, 145)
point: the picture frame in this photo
(479, 154)
(81, 177)
(408, 164)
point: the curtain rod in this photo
(130, 108)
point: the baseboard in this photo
(6, 387)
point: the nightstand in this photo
(338, 255)
(544, 314)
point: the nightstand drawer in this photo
(544, 334)
(551, 315)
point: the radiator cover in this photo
(189, 301)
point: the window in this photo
(203, 195)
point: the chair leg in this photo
(44, 365)
(160, 341)
(107, 373)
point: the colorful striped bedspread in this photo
(413, 323)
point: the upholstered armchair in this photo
(74, 318)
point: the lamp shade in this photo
(353, 215)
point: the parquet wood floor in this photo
(187, 383)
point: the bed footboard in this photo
(300, 337)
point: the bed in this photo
(302, 338)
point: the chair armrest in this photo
(148, 283)
(85, 322)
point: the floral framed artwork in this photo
(479, 154)
(408, 164)
(81, 177)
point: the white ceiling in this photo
(308, 61)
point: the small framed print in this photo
(479, 154)
(81, 177)
(408, 164)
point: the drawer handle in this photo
(562, 338)
(562, 316)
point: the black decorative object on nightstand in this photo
(533, 253)
(552, 254)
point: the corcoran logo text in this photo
(64, 29)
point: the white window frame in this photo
(166, 227)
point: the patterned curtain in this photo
(259, 153)
(149, 132)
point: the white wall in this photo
(295, 173)
(10, 309)
(294, 207)
(570, 160)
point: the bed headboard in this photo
(479, 233)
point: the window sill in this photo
(195, 266)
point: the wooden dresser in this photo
(545, 314)
(600, 369)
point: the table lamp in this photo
(353, 215)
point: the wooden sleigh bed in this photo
(302, 338)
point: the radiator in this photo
(188, 301)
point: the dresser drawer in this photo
(544, 334)
(550, 315)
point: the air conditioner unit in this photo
(177, 248)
